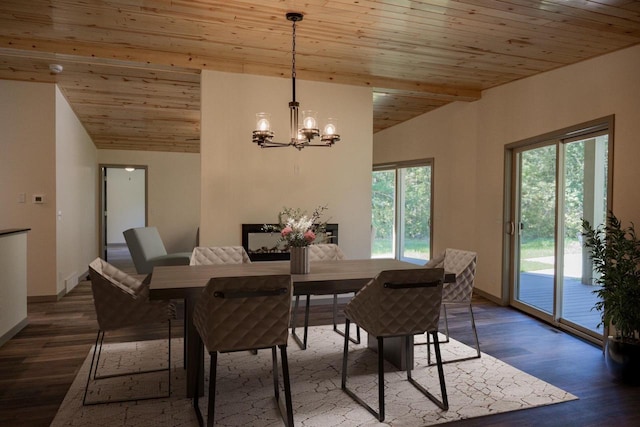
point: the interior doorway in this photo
(123, 204)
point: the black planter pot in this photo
(623, 360)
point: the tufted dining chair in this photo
(245, 313)
(397, 303)
(212, 255)
(218, 255)
(121, 301)
(460, 292)
(320, 252)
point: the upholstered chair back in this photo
(240, 313)
(463, 264)
(219, 255)
(121, 300)
(399, 302)
(325, 252)
(144, 244)
(148, 251)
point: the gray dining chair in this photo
(460, 292)
(147, 250)
(397, 303)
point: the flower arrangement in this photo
(296, 228)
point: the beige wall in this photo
(76, 177)
(467, 141)
(13, 285)
(174, 192)
(27, 165)
(242, 183)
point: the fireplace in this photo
(263, 245)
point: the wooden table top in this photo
(325, 277)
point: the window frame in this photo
(398, 235)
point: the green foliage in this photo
(538, 190)
(382, 203)
(417, 202)
(615, 252)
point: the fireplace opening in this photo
(263, 245)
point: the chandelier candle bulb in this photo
(331, 127)
(263, 122)
(309, 119)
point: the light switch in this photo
(38, 198)
(22, 197)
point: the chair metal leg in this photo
(345, 354)
(444, 403)
(379, 415)
(475, 334)
(95, 372)
(381, 377)
(287, 384)
(94, 367)
(86, 388)
(335, 322)
(274, 360)
(475, 331)
(196, 391)
(213, 375)
(302, 343)
(184, 334)
(446, 323)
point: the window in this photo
(401, 206)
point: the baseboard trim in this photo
(45, 298)
(490, 297)
(14, 331)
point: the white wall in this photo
(173, 181)
(242, 183)
(467, 141)
(27, 165)
(125, 202)
(76, 178)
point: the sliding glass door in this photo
(555, 184)
(401, 211)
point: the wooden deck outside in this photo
(536, 289)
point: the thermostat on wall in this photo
(38, 198)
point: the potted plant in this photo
(615, 252)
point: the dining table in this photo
(325, 278)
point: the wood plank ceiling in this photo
(132, 67)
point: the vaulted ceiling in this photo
(132, 67)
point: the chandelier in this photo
(300, 136)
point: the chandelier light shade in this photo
(304, 132)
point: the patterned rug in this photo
(475, 388)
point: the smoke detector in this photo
(55, 68)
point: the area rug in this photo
(475, 388)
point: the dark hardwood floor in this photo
(39, 364)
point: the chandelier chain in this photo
(293, 52)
